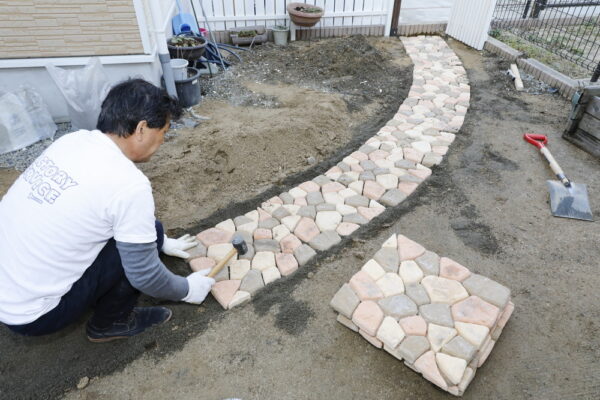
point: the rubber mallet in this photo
(239, 247)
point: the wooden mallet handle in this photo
(217, 268)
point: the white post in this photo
(292, 31)
(388, 19)
(161, 45)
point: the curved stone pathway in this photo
(430, 311)
(288, 230)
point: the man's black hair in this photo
(136, 100)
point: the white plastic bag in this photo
(84, 90)
(24, 119)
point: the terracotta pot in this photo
(302, 18)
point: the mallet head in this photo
(240, 245)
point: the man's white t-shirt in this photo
(60, 213)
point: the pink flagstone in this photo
(368, 316)
(290, 243)
(200, 263)
(359, 155)
(411, 154)
(262, 233)
(224, 291)
(441, 150)
(414, 325)
(356, 168)
(334, 170)
(300, 201)
(450, 269)
(408, 187)
(309, 186)
(474, 310)
(346, 228)
(365, 287)
(420, 173)
(373, 190)
(214, 236)
(378, 155)
(508, 310)
(371, 339)
(286, 263)
(263, 215)
(275, 200)
(427, 366)
(332, 187)
(408, 249)
(306, 230)
(370, 213)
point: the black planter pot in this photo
(188, 53)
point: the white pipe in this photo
(161, 45)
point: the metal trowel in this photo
(567, 199)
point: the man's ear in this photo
(139, 129)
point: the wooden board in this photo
(591, 125)
(585, 141)
(593, 107)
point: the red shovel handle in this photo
(538, 141)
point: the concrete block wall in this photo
(67, 28)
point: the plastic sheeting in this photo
(24, 119)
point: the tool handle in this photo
(555, 167)
(538, 141)
(217, 268)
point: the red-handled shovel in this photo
(567, 199)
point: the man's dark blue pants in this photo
(103, 287)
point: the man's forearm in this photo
(148, 274)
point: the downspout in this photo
(161, 45)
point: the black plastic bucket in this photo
(188, 90)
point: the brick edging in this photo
(566, 86)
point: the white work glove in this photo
(177, 247)
(199, 285)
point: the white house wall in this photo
(40, 80)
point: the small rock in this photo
(417, 294)
(398, 306)
(452, 368)
(390, 332)
(429, 263)
(413, 347)
(83, 382)
(414, 325)
(328, 220)
(345, 301)
(270, 275)
(388, 259)
(325, 240)
(410, 272)
(303, 254)
(368, 316)
(459, 347)
(437, 313)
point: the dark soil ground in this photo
(485, 206)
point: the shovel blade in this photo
(569, 202)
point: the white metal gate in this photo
(470, 21)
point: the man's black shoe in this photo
(137, 322)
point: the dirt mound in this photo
(280, 112)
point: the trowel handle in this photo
(540, 142)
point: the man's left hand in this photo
(177, 247)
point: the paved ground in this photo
(486, 207)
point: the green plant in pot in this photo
(303, 14)
(187, 47)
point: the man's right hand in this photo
(199, 286)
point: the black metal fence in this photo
(568, 28)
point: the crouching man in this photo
(77, 228)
